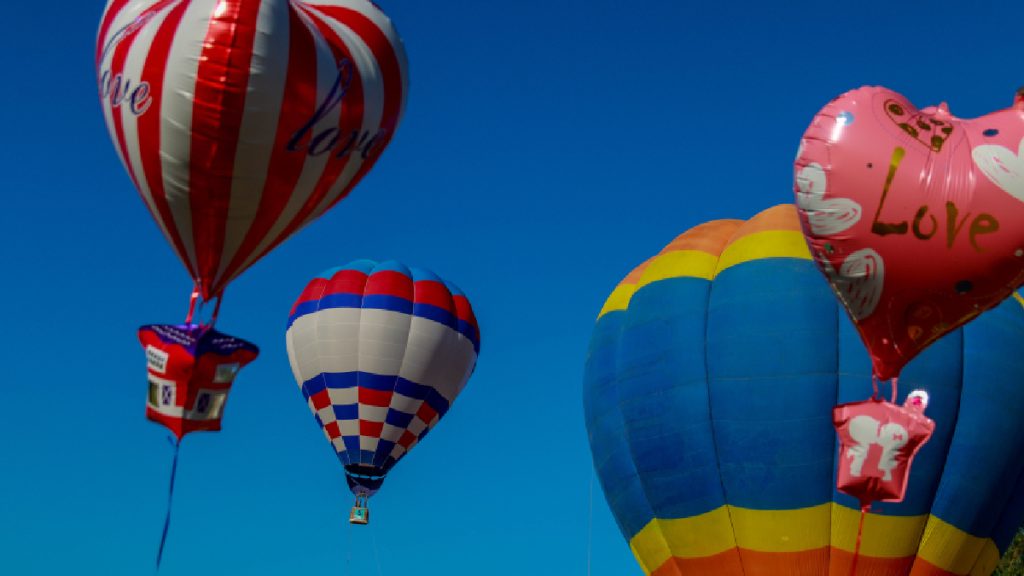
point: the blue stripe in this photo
(411, 389)
(771, 359)
(422, 274)
(392, 266)
(364, 266)
(382, 453)
(346, 411)
(398, 419)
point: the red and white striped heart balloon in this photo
(241, 121)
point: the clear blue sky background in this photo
(548, 146)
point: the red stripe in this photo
(347, 282)
(407, 439)
(333, 430)
(312, 292)
(349, 122)
(218, 107)
(117, 69)
(285, 166)
(321, 399)
(389, 283)
(378, 398)
(154, 72)
(433, 293)
(371, 429)
(387, 59)
(426, 413)
(465, 312)
(108, 19)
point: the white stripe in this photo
(381, 20)
(314, 166)
(127, 14)
(343, 396)
(176, 117)
(373, 109)
(391, 433)
(436, 356)
(264, 99)
(372, 413)
(133, 67)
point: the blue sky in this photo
(547, 147)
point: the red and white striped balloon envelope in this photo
(241, 121)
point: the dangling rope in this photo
(860, 529)
(170, 498)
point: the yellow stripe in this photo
(952, 549)
(987, 561)
(769, 244)
(940, 543)
(694, 537)
(883, 537)
(618, 300)
(682, 263)
(782, 530)
(1019, 298)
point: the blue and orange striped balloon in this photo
(380, 352)
(709, 385)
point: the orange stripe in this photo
(711, 237)
(724, 564)
(923, 567)
(743, 562)
(781, 217)
(634, 276)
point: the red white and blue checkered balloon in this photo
(241, 121)
(380, 352)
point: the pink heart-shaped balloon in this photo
(916, 217)
(241, 121)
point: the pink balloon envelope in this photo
(878, 442)
(242, 121)
(916, 217)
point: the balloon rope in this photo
(170, 498)
(874, 386)
(216, 309)
(192, 304)
(895, 381)
(860, 529)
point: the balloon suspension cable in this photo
(895, 383)
(874, 387)
(170, 499)
(864, 509)
(192, 304)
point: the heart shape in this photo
(1004, 168)
(825, 216)
(241, 122)
(935, 244)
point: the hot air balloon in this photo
(380, 351)
(709, 386)
(240, 122)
